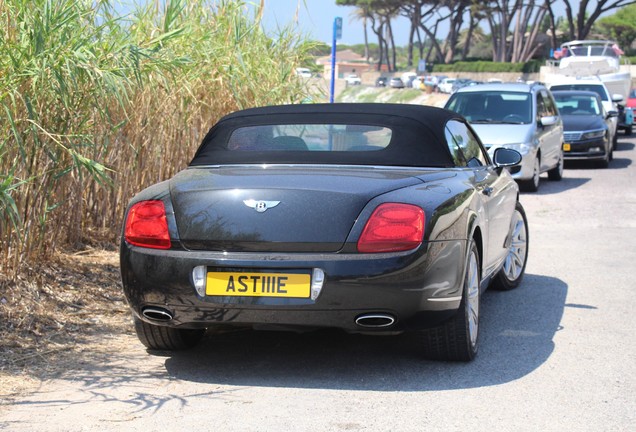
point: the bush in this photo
(489, 66)
(99, 106)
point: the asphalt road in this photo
(558, 353)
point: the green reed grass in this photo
(95, 105)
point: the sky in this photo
(316, 17)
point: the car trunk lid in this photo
(276, 209)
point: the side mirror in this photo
(617, 97)
(505, 157)
(549, 120)
(612, 114)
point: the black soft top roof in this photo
(417, 140)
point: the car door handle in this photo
(487, 191)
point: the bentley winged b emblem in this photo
(260, 206)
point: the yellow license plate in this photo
(255, 284)
(567, 147)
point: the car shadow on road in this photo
(554, 187)
(517, 331)
(616, 163)
(624, 146)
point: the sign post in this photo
(337, 34)
(421, 66)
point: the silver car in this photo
(519, 116)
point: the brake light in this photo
(146, 225)
(393, 227)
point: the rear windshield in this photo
(356, 137)
(493, 107)
(309, 137)
(596, 88)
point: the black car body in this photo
(586, 126)
(373, 218)
(381, 81)
(396, 82)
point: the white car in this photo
(353, 79)
(407, 78)
(303, 72)
(446, 85)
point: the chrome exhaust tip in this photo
(157, 314)
(375, 320)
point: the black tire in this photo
(604, 163)
(157, 337)
(514, 266)
(457, 338)
(532, 185)
(556, 173)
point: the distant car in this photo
(520, 116)
(407, 79)
(370, 218)
(353, 79)
(381, 81)
(303, 72)
(463, 82)
(396, 82)
(630, 106)
(631, 99)
(596, 85)
(446, 85)
(586, 126)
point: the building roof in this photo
(344, 56)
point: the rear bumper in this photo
(418, 289)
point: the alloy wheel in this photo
(472, 298)
(517, 252)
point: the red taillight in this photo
(393, 227)
(146, 225)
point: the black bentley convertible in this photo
(372, 218)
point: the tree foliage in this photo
(581, 21)
(519, 29)
(620, 27)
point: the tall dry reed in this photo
(95, 105)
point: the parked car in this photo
(303, 72)
(446, 85)
(586, 126)
(407, 78)
(631, 100)
(520, 116)
(372, 218)
(353, 79)
(381, 81)
(463, 82)
(609, 101)
(396, 82)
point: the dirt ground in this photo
(54, 313)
